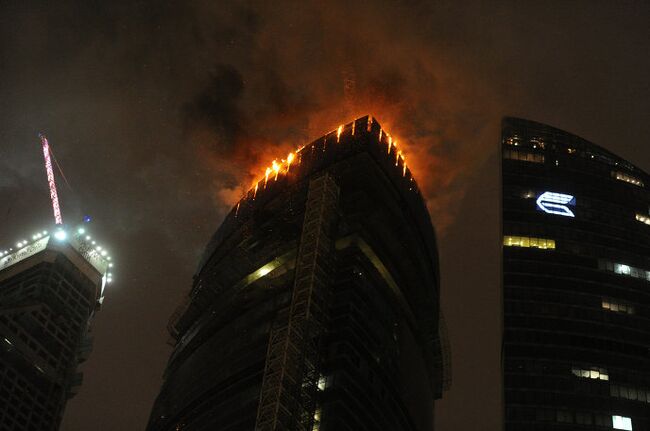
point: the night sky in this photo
(162, 113)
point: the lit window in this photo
(620, 268)
(317, 419)
(524, 156)
(513, 140)
(538, 142)
(643, 218)
(622, 176)
(623, 269)
(622, 423)
(528, 242)
(617, 306)
(592, 373)
(322, 383)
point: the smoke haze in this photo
(163, 113)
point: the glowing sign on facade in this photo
(556, 203)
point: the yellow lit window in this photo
(643, 218)
(524, 156)
(617, 306)
(528, 242)
(622, 176)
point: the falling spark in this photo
(338, 133)
(390, 142)
(237, 210)
(257, 184)
(369, 126)
(397, 155)
(381, 132)
(266, 176)
(353, 125)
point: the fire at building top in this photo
(307, 158)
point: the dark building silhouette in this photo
(316, 303)
(50, 288)
(576, 280)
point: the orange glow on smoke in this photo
(283, 166)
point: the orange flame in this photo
(266, 176)
(279, 166)
(276, 169)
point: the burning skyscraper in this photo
(316, 303)
(50, 288)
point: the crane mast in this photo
(50, 180)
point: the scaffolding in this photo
(291, 373)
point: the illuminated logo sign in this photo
(556, 203)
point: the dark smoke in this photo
(162, 113)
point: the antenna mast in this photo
(50, 180)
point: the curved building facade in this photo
(316, 304)
(576, 283)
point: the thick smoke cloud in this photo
(281, 79)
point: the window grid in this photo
(622, 176)
(617, 306)
(524, 156)
(528, 242)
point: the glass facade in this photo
(345, 225)
(576, 335)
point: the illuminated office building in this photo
(316, 303)
(576, 284)
(50, 288)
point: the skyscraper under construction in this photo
(50, 288)
(316, 303)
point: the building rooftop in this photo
(61, 239)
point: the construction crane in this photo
(50, 179)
